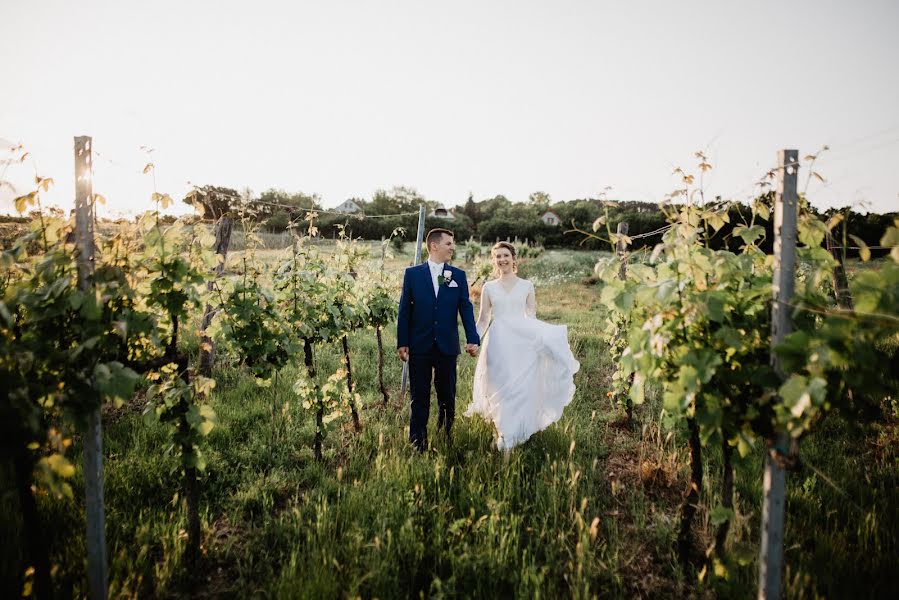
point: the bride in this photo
(524, 375)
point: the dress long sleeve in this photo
(530, 306)
(485, 311)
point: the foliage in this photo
(841, 357)
(471, 251)
(72, 339)
(695, 321)
(253, 329)
(250, 323)
(172, 400)
(381, 302)
(524, 251)
(62, 350)
(327, 399)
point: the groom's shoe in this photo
(421, 446)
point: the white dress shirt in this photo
(436, 271)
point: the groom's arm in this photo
(402, 319)
(466, 311)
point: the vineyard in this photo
(253, 427)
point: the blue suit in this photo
(428, 326)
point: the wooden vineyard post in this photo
(621, 250)
(774, 484)
(418, 240)
(222, 242)
(840, 284)
(93, 435)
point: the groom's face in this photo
(442, 250)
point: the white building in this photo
(441, 213)
(348, 207)
(551, 218)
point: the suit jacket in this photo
(424, 319)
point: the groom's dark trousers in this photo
(427, 324)
(421, 368)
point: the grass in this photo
(584, 509)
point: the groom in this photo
(428, 336)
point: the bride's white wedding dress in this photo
(525, 372)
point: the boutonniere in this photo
(446, 278)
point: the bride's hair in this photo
(496, 272)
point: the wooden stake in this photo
(840, 283)
(222, 243)
(621, 250)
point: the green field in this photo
(584, 509)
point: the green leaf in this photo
(59, 465)
(744, 445)
(90, 308)
(890, 239)
(800, 395)
(811, 231)
(150, 415)
(637, 392)
(23, 202)
(704, 363)
(617, 295)
(620, 236)
(833, 221)
(715, 304)
(164, 200)
(863, 251)
(749, 234)
(793, 350)
(203, 386)
(115, 381)
(717, 220)
(673, 399)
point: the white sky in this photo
(341, 98)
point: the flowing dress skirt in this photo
(524, 378)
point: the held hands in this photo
(403, 352)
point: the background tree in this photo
(540, 201)
(212, 201)
(276, 208)
(471, 210)
(398, 199)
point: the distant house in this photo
(551, 218)
(348, 207)
(442, 213)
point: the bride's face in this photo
(503, 260)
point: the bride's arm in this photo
(484, 311)
(530, 305)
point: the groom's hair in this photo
(435, 235)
